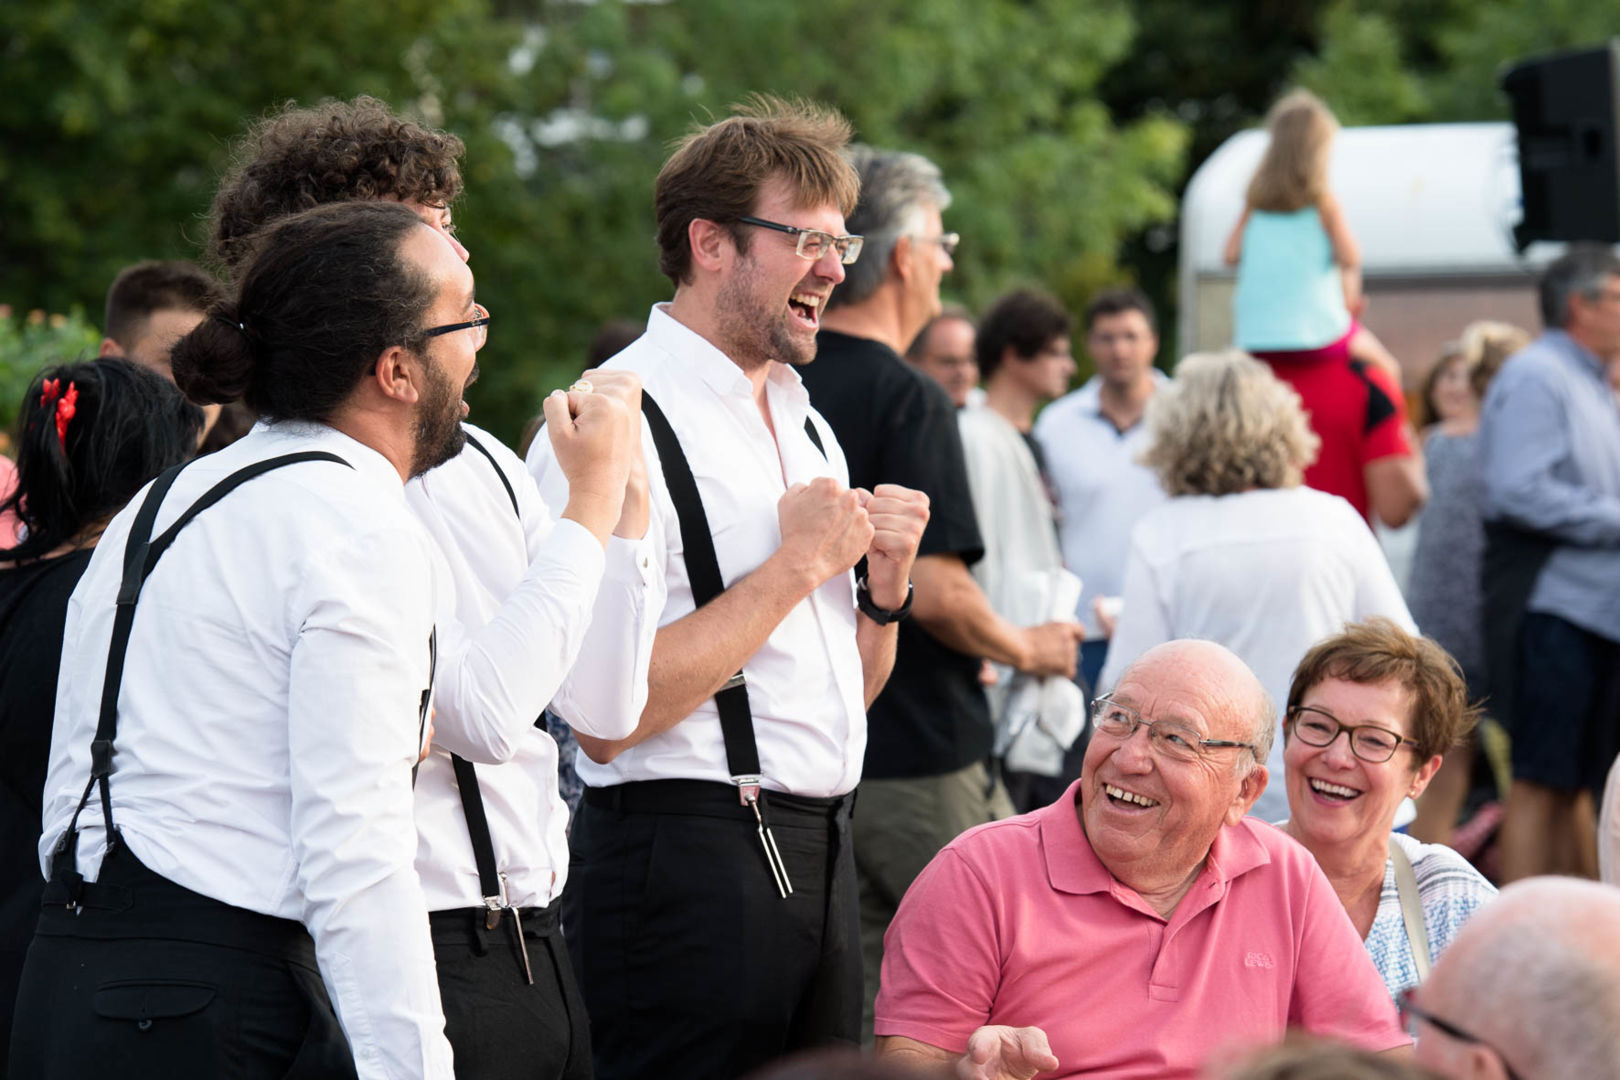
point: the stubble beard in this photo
(754, 334)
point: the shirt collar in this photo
(291, 436)
(1089, 396)
(1573, 349)
(696, 353)
(1073, 867)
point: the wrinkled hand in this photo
(1052, 649)
(898, 515)
(1006, 1053)
(825, 529)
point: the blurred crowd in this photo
(825, 686)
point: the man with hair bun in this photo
(245, 690)
(712, 915)
(518, 596)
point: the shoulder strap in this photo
(815, 436)
(703, 569)
(1417, 933)
(141, 554)
(472, 796)
(500, 472)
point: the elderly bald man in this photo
(1140, 924)
(1529, 989)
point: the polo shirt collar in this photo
(1073, 867)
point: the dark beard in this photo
(439, 436)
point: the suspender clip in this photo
(101, 752)
(748, 791)
(732, 683)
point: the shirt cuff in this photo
(629, 562)
(572, 544)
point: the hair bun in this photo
(214, 363)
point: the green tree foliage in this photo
(27, 343)
(117, 117)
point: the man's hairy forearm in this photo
(950, 605)
(693, 656)
(876, 644)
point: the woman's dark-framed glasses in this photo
(1410, 1009)
(1369, 742)
(481, 324)
(1168, 738)
(813, 243)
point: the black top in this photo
(897, 426)
(33, 611)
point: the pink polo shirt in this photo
(1018, 923)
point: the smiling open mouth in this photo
(806, 307)
(1121, 797)
(1334, 792)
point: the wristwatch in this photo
(881, 616)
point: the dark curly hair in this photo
(337, 151)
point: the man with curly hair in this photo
(519, 595)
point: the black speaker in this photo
(1564, 108)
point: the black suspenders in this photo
(472, 796)
(703, 570)
(141, 554)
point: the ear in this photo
(712, 245)
(399, 374)
(1424, 774)
(900, 259)
(109, 347)
(1248, 792)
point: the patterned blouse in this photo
(1449, 889)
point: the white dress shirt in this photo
(1102, 491)
(1266, 573)
(805, 684)
(269, 718)
(516, 604)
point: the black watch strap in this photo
(881, 616)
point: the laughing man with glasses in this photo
(1141, 924)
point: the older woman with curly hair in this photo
(1242, 554)
(1371, 712)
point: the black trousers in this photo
(691, 962)
(150, 980)
(500, 1026)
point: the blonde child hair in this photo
(1293, 173)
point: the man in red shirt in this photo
(1141, 925)
(1369, 455)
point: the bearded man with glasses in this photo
(1141, 924)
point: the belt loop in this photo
(480, 941)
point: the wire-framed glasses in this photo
(1168, 738)
(813, 243)
(1369, 742)
(1410, 1010)
(481, 324)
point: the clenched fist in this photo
(825, 527)
(898, 515)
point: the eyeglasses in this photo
(948, 242)
(813, 243)
(1168, 738)
(1369, 742)
(481, 324)
(1403, 1001)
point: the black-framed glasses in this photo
(1403, 1001)
(1369, 742)
(481, 324)
(948, 242)
(813, 243)
(1169, 738)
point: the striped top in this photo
(1450, 890)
